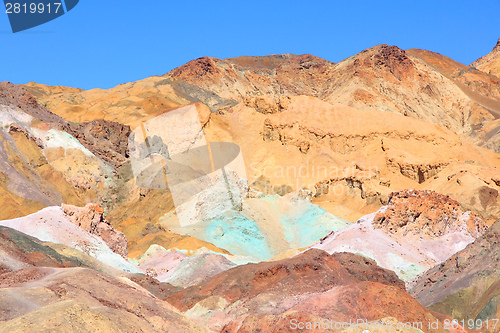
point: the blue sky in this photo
(102, 43)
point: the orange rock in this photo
(91, 219)
(427, 213)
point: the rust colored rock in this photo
(91, 219)
(198, 68)
(310, 287)
(310, 272)
(427, 213)
(275, 75)
(396, 61)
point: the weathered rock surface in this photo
(414, 232)
(15, 96)
(43, 299)
(428, 214)
(20, 251)
(51, 224)
(265, 227)
(91, 219)
(309, 287)
(198, 268)
(254, 102)
(108, 139)
(48, 287)
(384, 120)
(235, 78)
(467, 285)
(103, 138)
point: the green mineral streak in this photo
(238, 235)
(308, 224)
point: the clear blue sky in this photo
(102, 43)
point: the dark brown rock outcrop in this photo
(108, 139)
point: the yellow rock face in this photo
(357, 157)
(28, 160)
(127, 103)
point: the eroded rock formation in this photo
(91, 219)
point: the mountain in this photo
(93, 301)
(388, 160)
(52, 225)
(382, 80)
(357, 164)
(20, 251)
(43, 284)
(415, 83)
(244, 77)
(47, 161)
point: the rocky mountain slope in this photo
(310, 287)
(415, 231)
(93, 301)
(466, 286)
(250, 95)
(20, 251)
(43, 284)
(415, 83)
(392, 154)
(52, 225)
(46, 161)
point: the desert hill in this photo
(415, 83)
(392, 154)
(274, 108)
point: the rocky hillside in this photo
(466, 286)
(415, 83)
(361, 152)
(358, 179)
(261, 100)
(43, 284)
(310, 287)
(414, 232)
